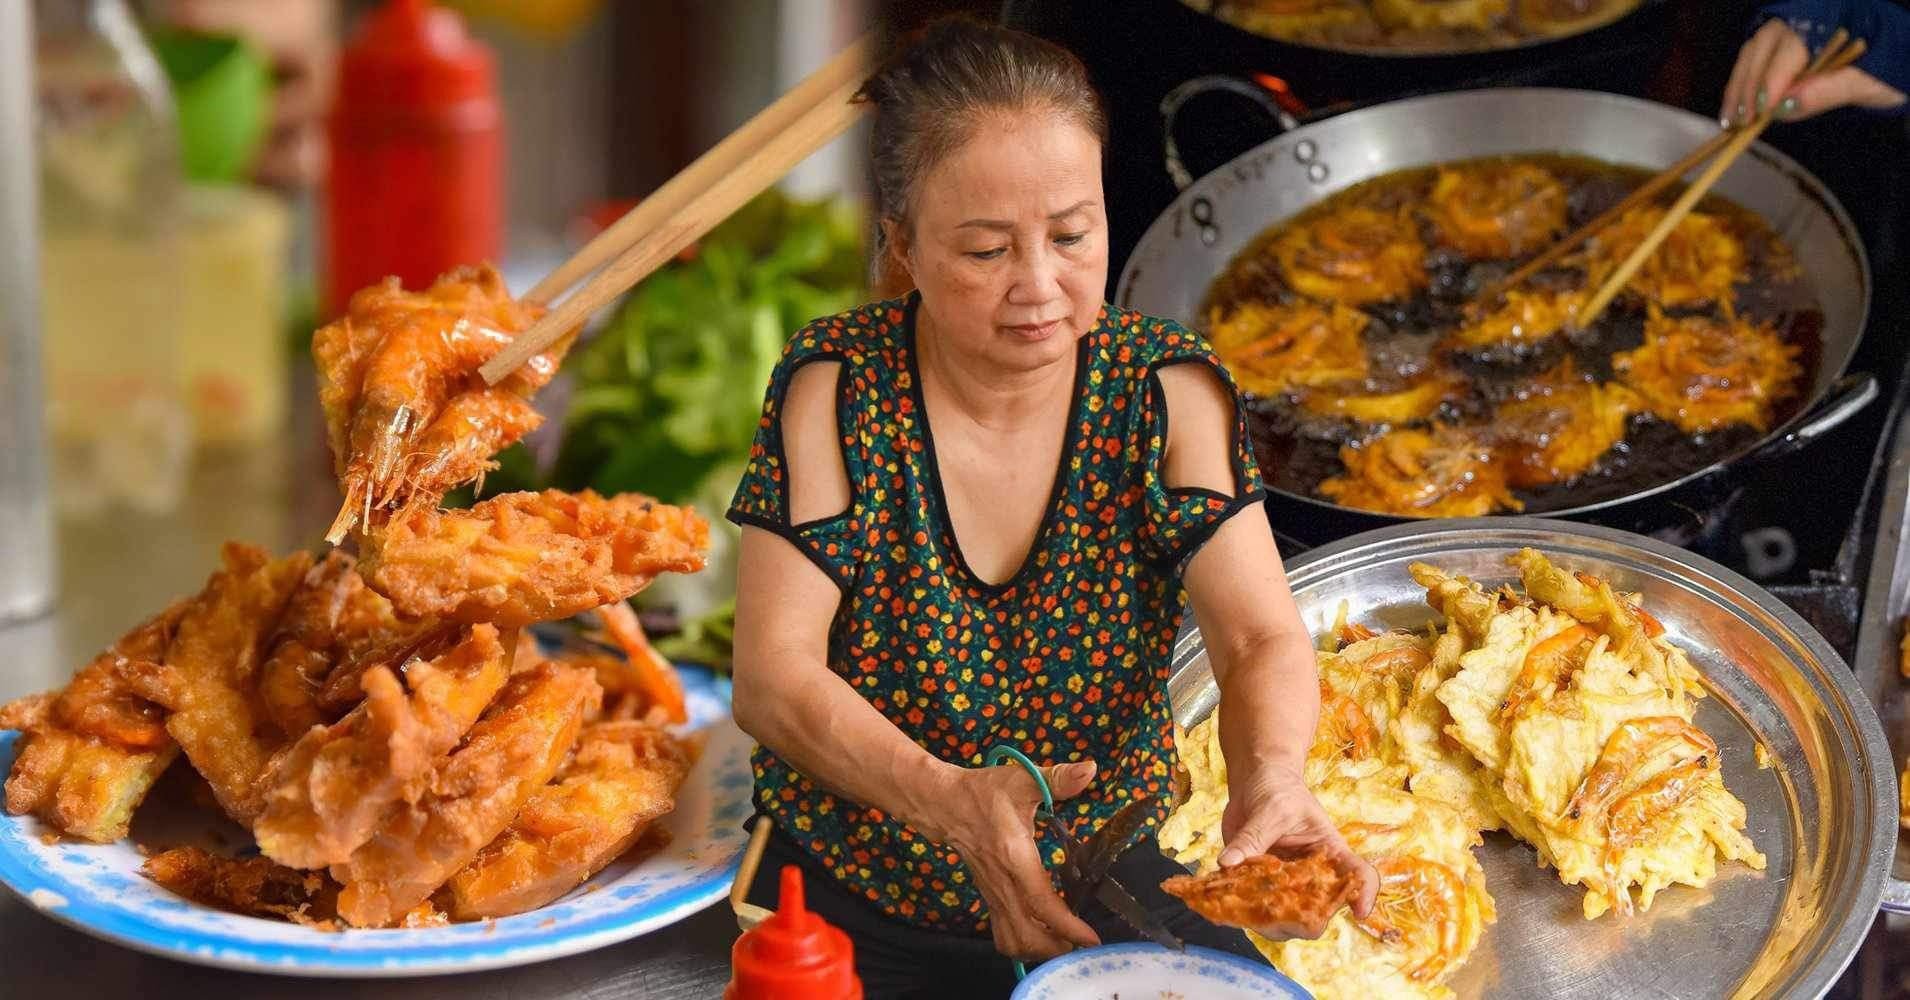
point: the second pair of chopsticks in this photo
(739, 168)
(1721, 149)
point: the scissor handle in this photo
(997, 754)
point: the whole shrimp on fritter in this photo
(407, 414)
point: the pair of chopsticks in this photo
(739, 168)
(1726, 146)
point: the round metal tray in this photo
(1824, 815)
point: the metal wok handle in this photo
(1285, 113)
(1847, 395)
(1896, 895)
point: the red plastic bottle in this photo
(416, 179)
(794, 955)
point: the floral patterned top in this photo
(1066, 660)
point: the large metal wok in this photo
(1824, 815)
(1193, 240)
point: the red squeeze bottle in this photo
(416, 135)
(794, 955)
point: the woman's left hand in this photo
(1766, 76)
(1274, 813)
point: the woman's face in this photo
(1009, 242)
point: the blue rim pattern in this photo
(96, 888)
(1195, 961)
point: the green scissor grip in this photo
(996, 755)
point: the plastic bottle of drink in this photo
(111, 277)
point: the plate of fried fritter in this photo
(446, 745)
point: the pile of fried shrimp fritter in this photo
(1386, 370)
(1559, 715)
(1409, 26)
(384, 724)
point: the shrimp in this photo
(1645, 814)
(397, 365)
(650, 675)
(1633, 743)
(1352, 632)
(1345, 729)
(1397, 663)
(1419, 906)
(1652, 626)
(307, 643)
(1548, 663)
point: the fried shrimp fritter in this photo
(522, 558)
(1298, 18)
(209, 678)
(623, 776)
(89, 753)
(1524, 317)
(1265, 891)
(328, 792)
(1418, 401)
(406, 412)
(469, 797)
(330, 614)
(1558, 431)
(1566, 17)
(1271, 348)
(256, 887)
(1440, 472)
(1494, 209)
(1356, 255)
(1702, 373)
(1699, 262)
(1473, 15)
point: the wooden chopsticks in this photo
(1725, 146)
(739, 168)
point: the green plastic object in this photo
(222, 88)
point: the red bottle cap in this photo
(794, 955)
(409, 59)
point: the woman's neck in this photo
(985, 393)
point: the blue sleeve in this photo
(1884, 27)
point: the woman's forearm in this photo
(811, 718)
(1270, 703)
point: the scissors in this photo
(1085, 863)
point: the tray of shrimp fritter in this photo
(1584, 764)
(1883, 643)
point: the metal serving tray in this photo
(1825, 815)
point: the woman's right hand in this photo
(988, 815)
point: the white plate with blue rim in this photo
(1146, 971)
(98, 889)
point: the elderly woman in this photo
(970, 517)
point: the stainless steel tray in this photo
(1886, 601)
(1824, 816)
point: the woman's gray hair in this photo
(957, 71)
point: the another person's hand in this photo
(1766, 76)
(988, 815)
(297, 38)
(1276, 814)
